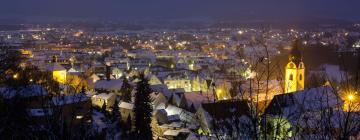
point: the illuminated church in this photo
(294, 70)
(58, 72)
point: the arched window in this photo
(301, 77)
(291, 77)
(292, 65)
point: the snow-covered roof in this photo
(176, 132)
(108, 84)
(196, 98)
(317, 98)
(153, 80)
(184, 115)
(126, 105)
(69, 99)
(104, 96)
(161, 106)
(161, 88)
(55, 67)
(227, 109)
(72, 70)
(313, 99)
(28, 91)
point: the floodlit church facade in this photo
(294, 71)
(59, 73)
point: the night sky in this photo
(179, 9)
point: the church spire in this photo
(295, 53)
(295, 70)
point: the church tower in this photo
(295, 70)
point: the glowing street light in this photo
(350, 97)
(16, 76)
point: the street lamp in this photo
(16, 76)
(219, 91)
(350, 97)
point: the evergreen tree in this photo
(115, 113)
(126, 89)
(103, 108)
(143, 109)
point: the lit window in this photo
(292, 65)
(79, 117)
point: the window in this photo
(79, 117)
(292, 65)
(300, 77)
(291, 77)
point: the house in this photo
(126, 110)
(225, 114)
(113, 86)
(189, 82)
(34, 97)
(195, 99)
(139, 63)
(178, 134)
(157, 98)
(103, 98)
(182, 64)
(179, 100)
(153, 80)
(161, 116)
(305, 109)
(174, 81)
(183, 114)
(75, 109)
(23, 92)
(72, 109)
(161, 89)
(292, 105)
(116, 72)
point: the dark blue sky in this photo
(180, 9)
